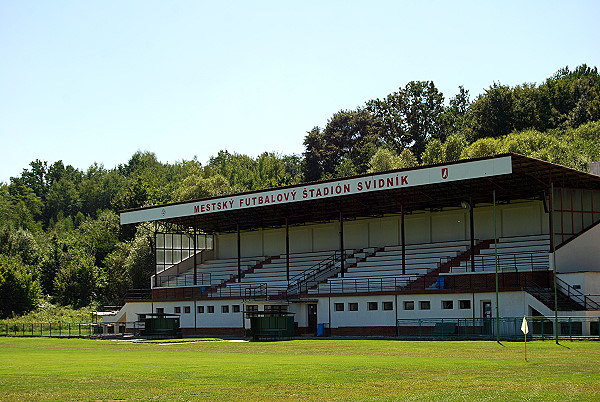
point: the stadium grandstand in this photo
(502, 236)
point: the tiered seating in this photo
(514, 253)
(384, 269)
(210, 273)
(274, 273)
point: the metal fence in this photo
(62, 329)
(509, 328)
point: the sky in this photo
(96, 81)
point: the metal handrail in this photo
(574, 294)
(357, 285)
(203, 279)
(302, 280)
(243, 290)
(316, 267)
(535, 261)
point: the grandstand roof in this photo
(526, 178)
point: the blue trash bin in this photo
(320, 329)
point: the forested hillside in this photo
(60, 238)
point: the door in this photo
(486, 314)
(312, 318)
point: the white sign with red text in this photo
(357, 185)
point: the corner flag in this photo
(524, 327)
(525, 330)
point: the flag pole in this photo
(525, 330)
(525, 343)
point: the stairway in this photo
(237, 278)
(431, 278)
(546, 296)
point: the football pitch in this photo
(102, 370)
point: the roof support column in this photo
(342, 268)
(287, 251)
(239, 253)
(472, 230)
(403, 238)
(152, 242)
(195, 261)
(553, 254)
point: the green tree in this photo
(408, 159)
(77, 281)
(384, 160)
(195, 187)
(455, 115)
(349, 135)
(434, 152)
(410, 116)
(19, 291)
(454, 146)
(238, 169)
(481, 148)
(491, 114)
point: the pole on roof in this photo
(341, 244)
(239, 253)
(553, 251)
(496, 265)
(403, 236)
(472, 224)
(287, 250)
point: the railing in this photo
(509, 328)
(584, 300)
(537, 261)
(62, 329)
(202, 279)
(313, 275)
(247, 291)
(361, 285)
(139, 294)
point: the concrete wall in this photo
(524, 218)
(512, 304)
(580, 254)
(216, 319)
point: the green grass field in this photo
(81, 369)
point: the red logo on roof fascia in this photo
(444, 173)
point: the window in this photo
(225, 309)
(252, 307)
(372, 306)
(388, 305)
(447, 304)
(186, 309)
(275, 307)
(425, 305)
(200, 309)
(409, 305)
(236, 308)
(160, 310)
(339, 306)
(177, 310)
(464, 304)
(211, 309)
(352, 306)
